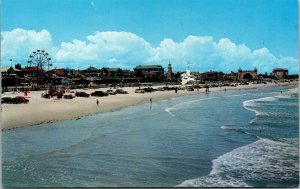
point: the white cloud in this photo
(125, 49)
(107, 48)
(19, 43)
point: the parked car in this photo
(6, 100)
(82, 94)
(69, 96)
(45, 95)
(111, 92)
(139, 91)
(121, 91)
(190, 88)
(160, 89)
(148, 90)
(59, 94)
(20, 99)
(99, 93)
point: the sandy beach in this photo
(40, 110)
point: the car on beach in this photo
(99, 93)
(82, 94)
(139, 91)
(15, 100)
(111, 92)
(6, 100)
(148, 90)
(160, 89)
(20, 99)
(53, 93)
(121, 91)
(45, 95)
(190, 88)
(69, 96)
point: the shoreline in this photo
(40, 111)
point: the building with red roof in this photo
(280, 73)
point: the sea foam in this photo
(264, 159)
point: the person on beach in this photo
(97, 102)
(150, 103)
(207, 89)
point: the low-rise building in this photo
(212, 76)
(280, 73)
(150, 72)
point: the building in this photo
(10, 77)
(33, 72)
(280, 73)
(212, 76)
(149, 72)
(91, 72)
(113, 72)
(247, 74)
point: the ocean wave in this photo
(263, 160)
(169, 111)
(240, 130)
(213, 181)
(284, 96)
(293, 91)
(251, 104)
(183, 104)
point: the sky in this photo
(202, 35)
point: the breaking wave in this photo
(264, 160)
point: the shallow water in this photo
(237, 138)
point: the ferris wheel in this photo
(39, 59)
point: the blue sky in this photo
(265, 31)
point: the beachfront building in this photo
(280, 73)
(247, 74)
(149, 72)
(91, 72)
(212, 76)
(230, 76)
(33, 71)
(61, 72)
(113, 72)
(10, 77)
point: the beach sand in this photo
(40, 110)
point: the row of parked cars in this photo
(14, 100)
(101, 93)
(60, 94)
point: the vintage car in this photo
(121, 91)
(53, 93)
(6, 100)
(139, 91)
(148, 90)
(82, 94)
(99, 93)
(111, 92)
(45, 95)
(69, 96)
(20, 99)
(190, 88)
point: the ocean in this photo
(232, 138)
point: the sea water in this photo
(224, 139)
